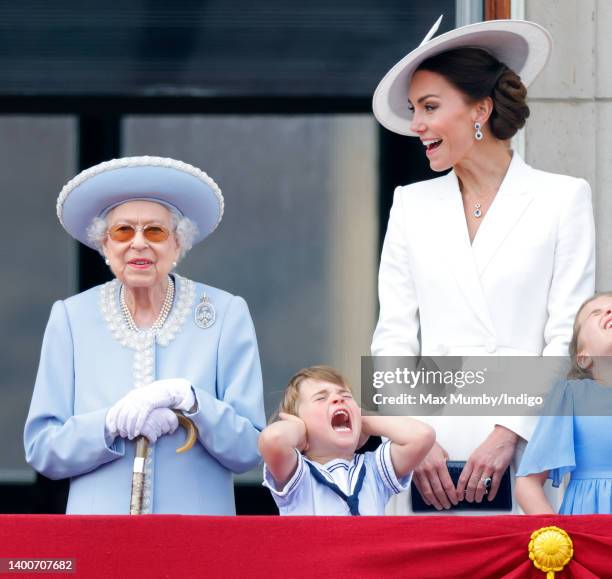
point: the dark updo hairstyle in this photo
(478, 74)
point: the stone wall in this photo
(570, 129)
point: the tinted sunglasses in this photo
(153, 233)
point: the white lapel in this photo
(455, 246)
(509, 204)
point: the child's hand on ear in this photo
(365, 432)
(300, 428)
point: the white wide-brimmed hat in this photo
(93, 192)
(521, 45)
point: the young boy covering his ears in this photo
(310, 463)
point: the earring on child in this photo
(478, 134)
(106, 260)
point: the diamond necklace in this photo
(163, 314)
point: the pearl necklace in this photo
(163, 314)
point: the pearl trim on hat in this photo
(144, 161)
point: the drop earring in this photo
(174, 264)
(107, 261)
(478, 134)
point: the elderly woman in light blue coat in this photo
(120, 360)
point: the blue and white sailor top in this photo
(303, 495)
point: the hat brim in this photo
(91, 193)
(521, 45)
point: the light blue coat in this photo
(84, 369)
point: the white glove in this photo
(126, 418)
(159, 422)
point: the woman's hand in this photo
(433, 481)
(161, 421)
(490, 459)
(127, 417)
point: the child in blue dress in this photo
(310, 463)
(576, 434)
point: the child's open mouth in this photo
(341, 421)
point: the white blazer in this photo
(514, 291)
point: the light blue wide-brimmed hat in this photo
(93, 192)
(521, 45)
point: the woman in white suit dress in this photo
(495, 257)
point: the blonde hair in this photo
(576, 372)
(290, 400)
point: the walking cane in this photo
(138, 472)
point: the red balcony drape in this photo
(296, 547)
